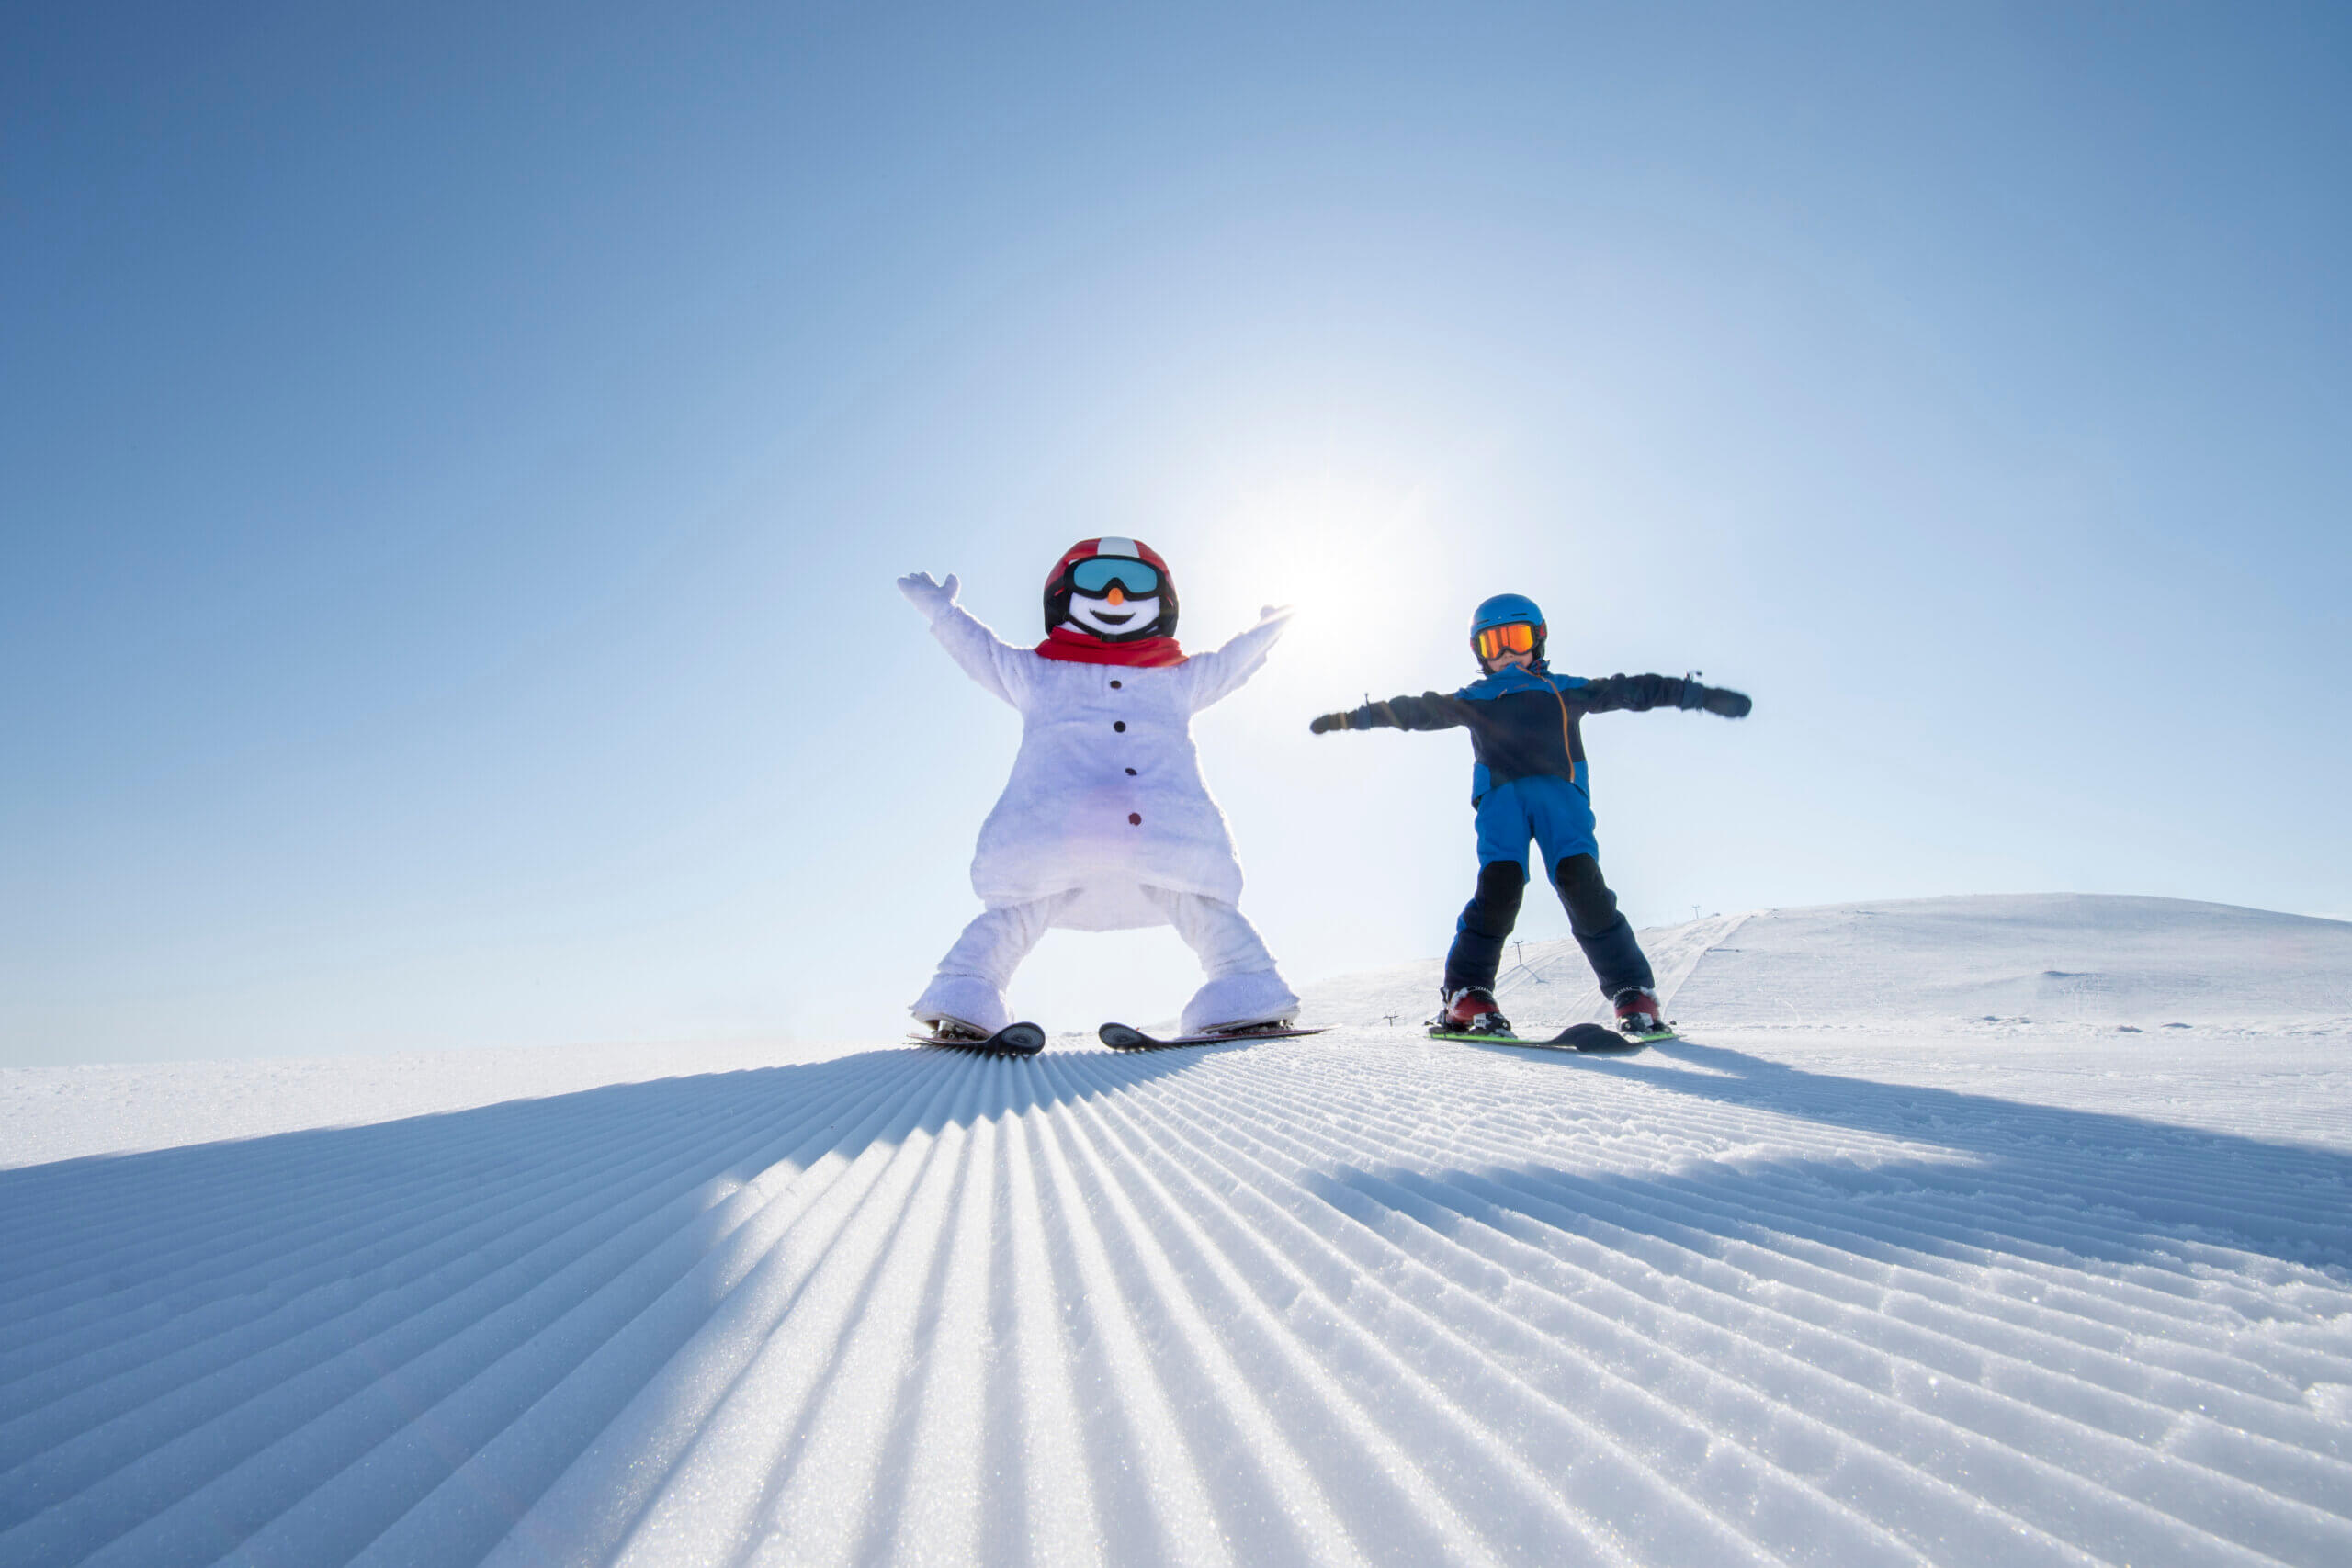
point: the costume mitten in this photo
(934, 599)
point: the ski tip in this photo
(1594, 1037)
(1012, 1040)
(1575, 1037)
(1606, 1040)
(1122, 1037)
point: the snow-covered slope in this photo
(2051, 958)
(2059, 958)
(1885, 1292)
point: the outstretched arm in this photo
(1430, 710)
(1639, 693)
(985, 657)
(1215, 675)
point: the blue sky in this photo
(453, 466)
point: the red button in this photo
(1135, 818)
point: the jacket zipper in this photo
(1566, 745)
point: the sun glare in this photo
(1357, 558)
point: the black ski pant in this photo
(1606, 936)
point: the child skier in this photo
(1106, 823)
(1532, 781)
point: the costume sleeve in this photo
(997, 666)
(1211, 676)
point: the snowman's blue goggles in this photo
(1095, 574)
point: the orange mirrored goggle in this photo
(1495, 641)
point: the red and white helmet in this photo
(1090, 566)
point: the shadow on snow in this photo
(296, 1345)
(2024, 1168)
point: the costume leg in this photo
(1487, 920)
(1243, 987)
(969, 987)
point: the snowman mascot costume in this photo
(1106, 824)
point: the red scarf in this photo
(1071, 645)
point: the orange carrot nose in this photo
(1117, 598)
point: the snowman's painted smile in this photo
(1113, 615)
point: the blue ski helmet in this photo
(1506, 610)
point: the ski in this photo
(1012, 1040)
(1121, 1037)
(1574, 1037)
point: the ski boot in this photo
(1471, 1010)
(1639, 1016)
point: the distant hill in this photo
(2052, 957)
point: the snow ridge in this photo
(1363, 1298)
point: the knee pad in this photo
(1592, 908)
(1494, 909)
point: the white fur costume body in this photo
(1106, 823)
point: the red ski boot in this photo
(1639, 1017)
(1471, 1010)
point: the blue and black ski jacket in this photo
(1525, 723)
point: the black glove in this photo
(1728, 703)
(1323, 724)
